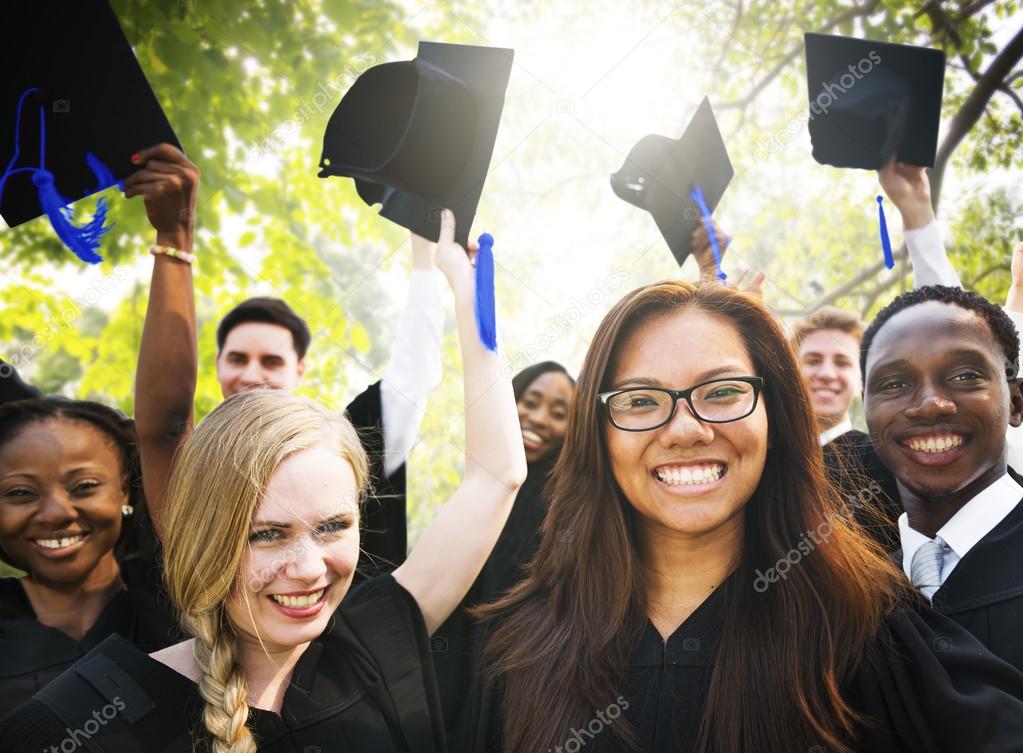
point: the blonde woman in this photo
(261, 546)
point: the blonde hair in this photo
(216, 485)
(827, 317)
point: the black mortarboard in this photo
(91, 91)
(417, 135)
(869, 100)
(660, 175)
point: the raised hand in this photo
(455, 262)
(702, 251)
(909, 190)
(168, 183)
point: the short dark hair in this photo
(522, 380)
(998, 321)
(266, 311)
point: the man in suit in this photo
(940, 371)
(828, 345)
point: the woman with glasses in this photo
(693, 590)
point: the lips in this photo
(301, 601)
(933, 445)
(691, 474)
(532, 440)
(60, 542)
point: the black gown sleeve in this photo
(930, 687)
(385, 625)
(384, 529)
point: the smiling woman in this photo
(70, 502)
(679, 483)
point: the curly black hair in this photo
(120, 429)
(998, 321)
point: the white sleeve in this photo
(1014, 434)
(927, 255)
(413, 370)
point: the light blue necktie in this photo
(925, 570)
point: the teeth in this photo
(939, 443)
(531, 437)
(297, 602)
(690, 475)
(59, 543)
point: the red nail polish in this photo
(135, 158)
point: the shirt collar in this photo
(975, 520)
(835, 431)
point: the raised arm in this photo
(413, 370)
(909, 190)
(168, 355)
(452, 551)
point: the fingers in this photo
(165, 152)
(159, 166)
(1018, 249)
(447, 227)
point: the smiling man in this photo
(940, 367)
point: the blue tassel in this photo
(83, 240)
(886, 243)
(698, 198)
(486, 303)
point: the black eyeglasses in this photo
(717, 401)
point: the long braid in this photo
(222, 685)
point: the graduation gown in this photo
(384, 537)
(365, 685)
(853, 466)
(984, 593)
(457, 644)
(926, 685)
(32, 654)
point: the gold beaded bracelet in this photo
(175, 253)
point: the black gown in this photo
(366, 685)
(867, 486)
(384, 534)
(456, 645)
(32, 654)
(928, 687)
(984, 593)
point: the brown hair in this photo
(563, 636)
(827, 317)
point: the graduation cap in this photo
(417, 136)
(679, 181)
(870, 100)
(74, 107)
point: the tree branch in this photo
(973, 108)
(856, 11)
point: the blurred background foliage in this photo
(249, 85)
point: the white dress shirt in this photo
(975, 520)
(414, 368)
(835, 431)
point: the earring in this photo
(127, 510)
